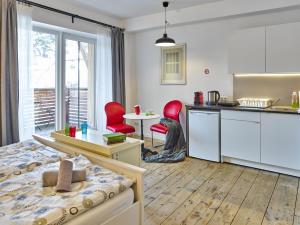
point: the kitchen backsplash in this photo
(266, 86)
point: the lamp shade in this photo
(165, 41)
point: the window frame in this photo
(76, 37)
(62, 35)
(182, 64)
(57, 34)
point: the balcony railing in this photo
(44, 106)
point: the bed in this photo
(24, 157)
(121, 191)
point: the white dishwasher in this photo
(204, 135)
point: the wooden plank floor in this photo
(201, 192)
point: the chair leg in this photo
(156, 146)
(152, 139)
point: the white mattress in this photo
(105, 211)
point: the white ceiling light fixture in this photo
(165, 41)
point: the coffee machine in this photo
(198, 98)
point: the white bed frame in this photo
(134, 214)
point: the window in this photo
(79, 72)
(44, 72)
(63, 78)
(173, 65)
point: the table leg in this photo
(142, 130)
(144, 150)
(142, 138)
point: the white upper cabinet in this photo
(283, 48)
(268, 49)
(247, 51)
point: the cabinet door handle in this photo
(205, 113)
(249, 121)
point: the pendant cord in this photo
(166, 22)
(165, 41)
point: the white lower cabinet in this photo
(269, 141)
(204, 135)
(240, 139)
(280, 140)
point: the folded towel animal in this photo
(64, 179)
(50, 177)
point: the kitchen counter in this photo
(239, 108)
(261, 138)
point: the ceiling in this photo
(124, 9)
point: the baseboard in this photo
(261, 166)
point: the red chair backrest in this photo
(114, 113)
(172, 110)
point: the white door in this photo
(63, 80)
(283, 48)
(204, 135)
(45, 74)
(280, 142)
(240, 139)
(79, 80)
(247, 51)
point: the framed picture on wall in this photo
(173, 65)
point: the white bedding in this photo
(105, 211)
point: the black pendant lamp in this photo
(165, 41)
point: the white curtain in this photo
(103, 76)
(26, 92)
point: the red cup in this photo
(72, 131)
(137, 109)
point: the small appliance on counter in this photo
(213, 97)
(198, 98)
(255, 102)
(229, 103)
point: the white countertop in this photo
(142, 116)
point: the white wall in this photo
(219, 9)
(206, 47)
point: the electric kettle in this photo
(213, 97)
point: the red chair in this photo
(115, 120)
(171, 110)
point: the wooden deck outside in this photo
(44, 106)
(201, 192)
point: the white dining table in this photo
(141, 117)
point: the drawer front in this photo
(243, 116)
(240, 139)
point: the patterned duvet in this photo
(24, 157)
(24, 201)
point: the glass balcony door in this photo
(44, 72)
(60, 87)
(79, 71)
